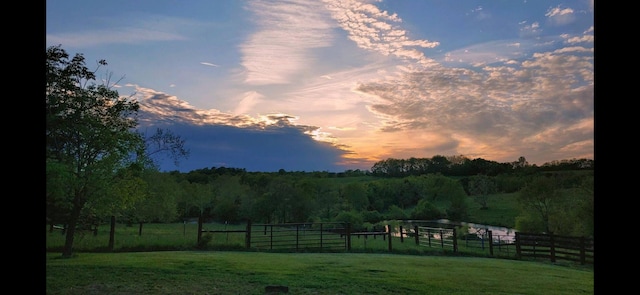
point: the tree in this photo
(354, 196)
(426, 210)
(481, 186)
(160, 203)
(165, 142)
(89, 133)
(540, 196)
(229, 193)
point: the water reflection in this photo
(480, 231)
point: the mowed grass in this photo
(233, 272)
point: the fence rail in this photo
(338, 236)
(437, 237)
(298, 236)
(554, 247)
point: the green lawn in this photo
(231, 272)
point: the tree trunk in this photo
(140, 229)
(78, 203)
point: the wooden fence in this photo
(436, 237)
(298, 236)
(333, 236)
(554, 247)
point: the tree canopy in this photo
(94, 155)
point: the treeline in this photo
(463, 166)
(445, 165)
(551, 198)
(559, 202)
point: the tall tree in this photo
(89, 133)
(542, 195)
(480, 187)
(160, 202)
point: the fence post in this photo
(348, 236)
(552, 249)
(415, 230)
(270, 236)
(321, 236)
(455, 240)
(389, 233)
(401, 235)
(582, 251)
(297, 236)
(490, 242)
(247, 237)
(518, 254)
(199, 228)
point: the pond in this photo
(503, 234)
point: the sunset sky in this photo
(332, 85)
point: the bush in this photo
(426, 210)
(204, 241)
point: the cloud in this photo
(281, 47)
(267, 143)
(135, 29)
(560, 16)
(535, 104)
(266, 150)
(209, 64)
(373, 30)
(121, 35)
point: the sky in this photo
(336, 85)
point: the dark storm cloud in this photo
(216, 139)
(253, 149)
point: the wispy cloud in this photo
(135, 29)
(373, 29)
(287, 32)
(560, 16)
(209, 64)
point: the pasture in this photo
(234, 272)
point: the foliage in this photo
(89, 132)
(458, 209)
(161, 202)
(396, 212)
(510, 183)
(559, 203)
(354, 195)
(480, 187)
(353, 217)
(229, 193)
(165, 142)
(540, 196)
(95, 158)
(426, 210)
(372, 216)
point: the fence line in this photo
(337, 236)
(437, 237)
(554, 247)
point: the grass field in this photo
(232, 272)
